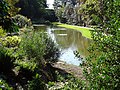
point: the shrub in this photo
(22, 21)
(4, 85)
(10, 26)
(103, 66)
(11, 41)
(66, 82)
(51, 50)
(6, 59)
(2, 32)
(32, 46)
(39, 47)
(37, 84)
(5, 20)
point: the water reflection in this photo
(69, 41)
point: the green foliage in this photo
(3, 11)
(22, 58)
(5, 21)
(33, 47)
(88, 10)
(59, 14)
(50, 84)
(50, 15)
(59, 9)
(11, 41)
(27, 59)
(67, 82)
(22, 21)
(4, 85)
(25, 64)
(73, 84)
(8, 52)
(51, 50)
(2, 32)
(37, 84)
(39, 47)
(13, 10)
(6, 59)
(3, 8)
(19, 63)
(103, 66)
(9, 25)
(34, 52)
(32, 8)
(84, 11)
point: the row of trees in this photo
(27, 8)
(80, 12)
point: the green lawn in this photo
(84, 30)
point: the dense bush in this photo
(6, 60)
(12, 5)
(39, 46)
(22, 21)
(11, 41)
(27, 56)
(37, 83)
(32, 46)
(34, 54)
(5, 20)
(51, 50)
(103, 66)
(2, 32)
(66, 82)
(4, 85)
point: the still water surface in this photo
(69, 41)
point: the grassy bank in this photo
(84, 30)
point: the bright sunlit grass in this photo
(84, 30)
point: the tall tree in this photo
(32, 8)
